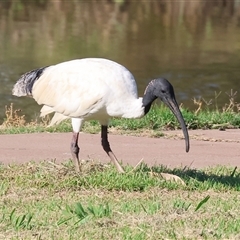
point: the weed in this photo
(13, 117)
(81, 215)
(202, 202)
(20, 221)
(181, 205)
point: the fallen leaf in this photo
(171, 177)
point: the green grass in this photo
(158, 119)
(51, 201)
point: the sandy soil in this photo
(207, 148)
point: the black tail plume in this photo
(24, 85)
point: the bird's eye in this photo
(163, 91)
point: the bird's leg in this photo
(75, 151)
(107, 149)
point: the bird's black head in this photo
(158, 88)
(161, 88)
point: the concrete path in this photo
(207, 148)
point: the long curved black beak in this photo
(172, 104)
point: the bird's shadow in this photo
(226, 176)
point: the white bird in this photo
(93, 89)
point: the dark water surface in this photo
(194, 44)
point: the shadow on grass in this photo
(226, 176)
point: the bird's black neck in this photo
(148, 98)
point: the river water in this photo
(194, 44)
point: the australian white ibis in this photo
(93, 88)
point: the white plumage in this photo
(92, 88)
(66, 87)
